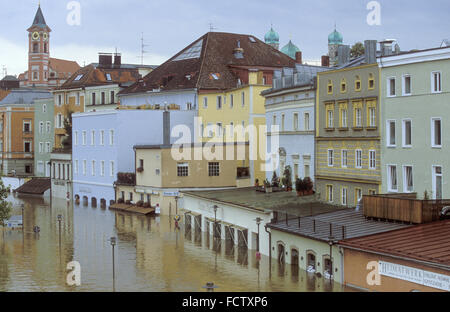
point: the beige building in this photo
(162, 171)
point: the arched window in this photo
(45, 48)
(35, 47)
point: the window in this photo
(131, 196)
(112, 97)
(59, 99)
(330, 158)
(274, 120)
(35, 47)
(75, 169)
(436, 132)
(111, 168)
(406, 88)
(48, 126)
(28, 169)
(330, 119)
(330, 193)
(371, 82)
(407, 135)
(78, 99)
(343, 115)
(243, 99)
(357, 118)
(102, 168)
(391, 87)
(77, 78)
(141, 165)
(344, 158)
(330, 87)
(205, 102)
(306, 117)
(436, 83)
(111, 137)
(92, 137)
(344, 196)
(41, 147)
(103, 98)
(219, 102)
(295, 121)
(390, 133)
(408, 184)
(343, 86)
(282, 122)
(44, 108)
(210, 130)
(93, 99)
(108, 77)
(75, 138)
(41, 127)
(27, 126)
(372, 117)
(307, 171)
(213, 169)
(84, 166)
(357, 83)
(372, 160)
(392, 178)
(48, 147)
(372, 192)
(93, 168)
(358, 195)
(102, 137)
(219, 129)
(182, 169)
(358, 159)
(231, 100)
(83, 137)
(27, 147)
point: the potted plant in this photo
(267, 186)
(308, 185)
(287, 179)
(299, 187)
(275, 180)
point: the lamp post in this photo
(113, 243)
(215, 220)
(176, 205)
(331, 242)
(59, 227)
(258, 222)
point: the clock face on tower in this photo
(35, 36)
(45, 36)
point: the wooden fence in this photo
(403, 209)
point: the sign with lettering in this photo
(414, 275)
(172, 194)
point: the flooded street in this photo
(150, 255)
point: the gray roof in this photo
(345, 224)
(127, 66)
(248, 197)
(39, 19)
(24, 96)
(10, 78)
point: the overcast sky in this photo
(170, 25)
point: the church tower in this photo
(38, 52)
(335, 39)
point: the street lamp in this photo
(215, 220)
(210, 287)
(59, 226)
(331, 241)
(113, 243)
(258, 222)
(176, 205)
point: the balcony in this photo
(126, 178)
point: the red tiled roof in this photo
(427, 242)
(96, 75)
(63, 67)
(3, 94)
(216, 57)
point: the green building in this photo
(415, 110)
(44, 135)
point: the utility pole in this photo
(143, 45)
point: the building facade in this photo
(348, 133)
(290, 107)
(414, 146)
(103, 141)
(43, 136)
(17, 131)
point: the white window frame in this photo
(372, 159)
(433, 145)
(404, 121)
(330, 119)
(344, 164)
(48, 148)
(306, 120)
(205, 102)
(389, 186)
(31, 146)
(48, 126)
(405, 180)
(433, 182)
(360, 159)
(330, 157)
(93, 137)
(41, 147)
(102, 168)
(372, 117)
(344, 118)
(111, 137)
(111, 168)
(358, 118)
(41, 127)
(75, 138)
(84, 167)
(295, 122)
(75, 167)
(344, 199)
(389, 79)
(102, 137)
(330, 191)
(404, 85)
(433, 86)
(219, 103)
(93, 164)
(388, 133)
(84, 137)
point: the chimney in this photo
(343, 54)
(386, 47)
(166, 127)
(325, 61)
(370, 48)
(238, 52)
(117, 59)
(298, 57)
(105, 59)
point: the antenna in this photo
(4, 71)
(143, 45)
(211, 27)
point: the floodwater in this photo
(150, 255)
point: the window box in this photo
(343, 129)
(140, 169)
(329, 129)
(372, 128)
(358, 128)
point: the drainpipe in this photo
(270, 251)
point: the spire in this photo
(39, 20)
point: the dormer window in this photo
(215, 76)
(108, 77)
(78, 78)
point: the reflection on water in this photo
(151, 254)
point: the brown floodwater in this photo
(150, 255)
